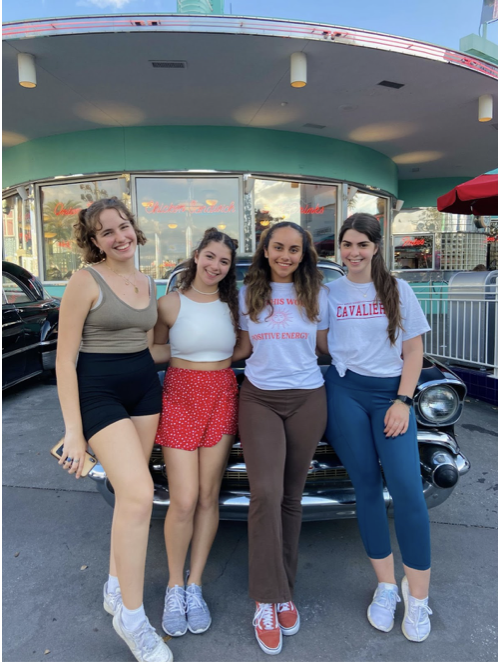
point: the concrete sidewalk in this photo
(54, 526)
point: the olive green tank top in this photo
(114, 327)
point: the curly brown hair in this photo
(307, 278)
(384, 282)
(228, 292)
(89, 221)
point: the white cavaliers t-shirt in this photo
(358, 340)
(284, 341)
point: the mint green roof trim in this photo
(197, 147)
(425, 192)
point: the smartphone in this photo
(90, 460)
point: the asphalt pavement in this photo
(55, 553)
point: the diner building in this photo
(236, 122)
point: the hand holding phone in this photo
(89, 462)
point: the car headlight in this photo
(438, 404)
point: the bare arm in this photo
(322, 342)
(243, 347)
(168, 309)
(398, 415)
(78, 298)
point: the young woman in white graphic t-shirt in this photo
(375, 343)
(282, 416)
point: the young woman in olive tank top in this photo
(110, 397)
(198, 420)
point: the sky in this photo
(441, 22)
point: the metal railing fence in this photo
(464, 323)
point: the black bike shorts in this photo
(116, 386)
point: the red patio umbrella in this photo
(478, 196)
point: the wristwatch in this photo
(404, 399)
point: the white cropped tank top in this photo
(202, 332)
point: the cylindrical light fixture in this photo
(298, 70)
(485, 108)
(27, 70)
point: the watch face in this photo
(405, 399)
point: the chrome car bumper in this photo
(322, 503)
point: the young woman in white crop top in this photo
(198, 420)
(110, 396)
(283, 311)
(376, 347)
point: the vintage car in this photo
(29, 326)
(328, 492)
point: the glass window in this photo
(413, 251)
(19, 244)
(60, 206)
(368, 203)
(174, 213)
(312, 206)
(13, 292)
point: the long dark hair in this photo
(228, 292)
(385, 284)
(89, 222)
(307, 277)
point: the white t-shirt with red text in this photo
(284, 341)
(357, 339)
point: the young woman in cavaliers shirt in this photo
(283, 309)
(375, 343)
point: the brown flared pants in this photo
(279, 432)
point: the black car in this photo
(29, 326)
(329, 493)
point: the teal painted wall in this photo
(425, 192)
(198, 147)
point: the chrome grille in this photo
(236, 478)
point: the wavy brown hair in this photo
(307, 278)
(385, 283)
(228, 292)
(89, 222)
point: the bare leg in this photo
(121, 453)
(212, 464)
(384, 569)
(146, 428)
(183, 485)
(419, 581)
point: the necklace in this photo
(205, 293)
(128, 281)
(364, 292)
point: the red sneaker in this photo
(267, 628)
(288, 618)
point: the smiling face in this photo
(115, 236)
(212, 264)
(356, 252)
(284, 253)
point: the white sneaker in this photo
(381, 610)
(416, 624)
(111, 601)
(145, 645)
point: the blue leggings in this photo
(356, 409)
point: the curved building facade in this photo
(191, 120)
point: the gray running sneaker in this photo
(174, 613)
(111, 600)
(381, 610)
(144, 643)
(416, 624)
(198, 614)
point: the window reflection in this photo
(19, 245)
(413, 251)
(368, 203)
(61, 204)
(174, 214)
(312, 206)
